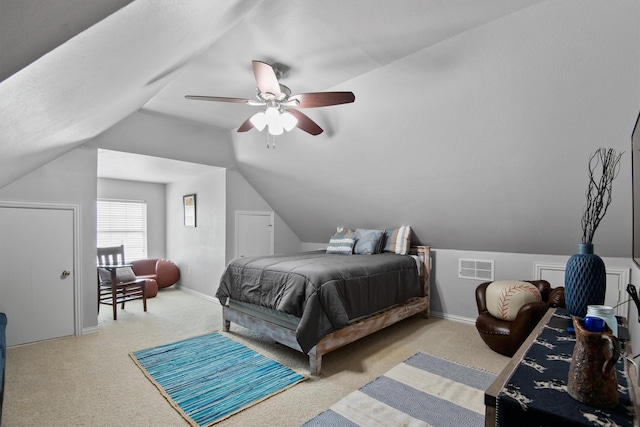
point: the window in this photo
(123, 222)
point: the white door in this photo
(37, 273)
(254, 233)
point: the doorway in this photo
(38, 289)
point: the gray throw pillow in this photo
(125, 274)
(105, 276)
(367, 241)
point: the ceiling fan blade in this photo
(266, 78)
(305, 123)
(323, 99)
(219, 99)
(246, 125)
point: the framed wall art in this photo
(189, 207)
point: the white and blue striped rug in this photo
(422, 391)
(211, 377)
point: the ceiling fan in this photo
(279, 114)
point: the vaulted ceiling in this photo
(473, 121)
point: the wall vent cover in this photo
(475, 269)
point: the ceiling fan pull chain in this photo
(271, 141)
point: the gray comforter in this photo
(325, 291)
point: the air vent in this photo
(475, 269)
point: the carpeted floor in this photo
(91, 380)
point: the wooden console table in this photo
(507, 380)
(491, 394)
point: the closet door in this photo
(254, 233)
(37, 273)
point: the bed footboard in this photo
(278, 333)
(332, 341)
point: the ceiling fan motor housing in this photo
(277, 97)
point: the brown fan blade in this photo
(266, 78)
(323, 99)
(218, 99)
(305, 123)
(246, 125)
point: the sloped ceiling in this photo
(473, 121)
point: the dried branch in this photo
(599, 189)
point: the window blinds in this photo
(123, 222)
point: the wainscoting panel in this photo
(617, 280)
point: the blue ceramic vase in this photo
(585, 280)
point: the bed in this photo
(316, 302)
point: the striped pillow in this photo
(367, 241)
(342, 242)
(398, 240)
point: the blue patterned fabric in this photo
(536, 394)
(211, 377)
(368, 241)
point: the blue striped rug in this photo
(211, 377)
(422, 391)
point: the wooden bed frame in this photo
(348, 334)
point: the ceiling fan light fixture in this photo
(276, 128)
(274, 121)
(289, 121)
(259, 120)
(272, 115)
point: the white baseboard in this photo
(453, 317)
(90, 330)
(198, 294)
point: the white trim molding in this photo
(617, 279)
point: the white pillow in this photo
(506, 297)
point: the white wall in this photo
(157, 136)
(452, 297)
(241, 196)
(480, 142)
(198, 251)
(154, 195)
(69, 179)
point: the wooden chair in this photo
(116, 282)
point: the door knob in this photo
(65, 274)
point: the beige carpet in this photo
(91, 381)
